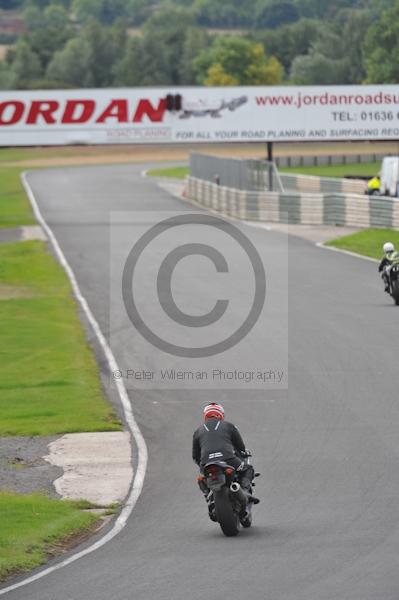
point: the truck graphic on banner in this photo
(210, 107)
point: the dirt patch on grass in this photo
(94, 155)
(73, 540)
(11, 292)
(64, 545)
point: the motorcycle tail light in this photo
(213, 472)
(229, 471)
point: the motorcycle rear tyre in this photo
(395, 292)
(228, 519)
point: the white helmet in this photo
(388, 247)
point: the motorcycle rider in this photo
(390, 258)
(219, 439)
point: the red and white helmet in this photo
(214, 410)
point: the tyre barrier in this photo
(351, 210)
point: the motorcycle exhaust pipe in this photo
(238, 493)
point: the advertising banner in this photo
(199, 114)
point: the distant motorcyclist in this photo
(220, 440)
(373, 186)
(391, 257)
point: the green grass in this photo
(172, 172)
(49, 380)
(31, 528)
(18, 154)
(368, 242)
(359, 170)
(11, 155)
(14, 205)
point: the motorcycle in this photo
(394, 280)
(229, 505)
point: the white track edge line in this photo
(138, 480)
(333, 249)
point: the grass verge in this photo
(14, 205)
(49, 380)
(368, 242)
(355, 170)
(32, 527)
(358, 170)
(172, 172)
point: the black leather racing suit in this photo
(221, 440)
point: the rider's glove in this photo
(246, 453)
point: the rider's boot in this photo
(208, 496)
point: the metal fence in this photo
(260, 175)
(323, 160)
(229, 172)
(236, 173)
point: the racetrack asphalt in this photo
(327, 447)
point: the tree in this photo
(105, 11)
(289, 41)
(316, 69)
(33, 17)
(11, 4)
(164, 44)
(320, 9)
(6, 77)
(25, 66)
(355, 26)
(171, 18)
(262, 71)
(156, 64)
(86, 9)
(381, 49)
(138, 11)
(102, 53)
(40, 4)
(164, 54)
(56, 17)
(376, 7)
(118, 38)
(335, 57)
(217, 76)
(48, 39)
(71, 64)
(241, 59)
(229, 13)
(274, 14)
(196, 40)
(128, 71)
